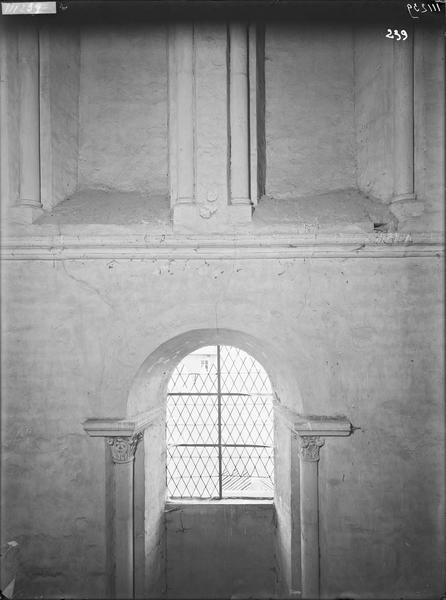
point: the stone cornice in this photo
(312, 425)
(130, 246)
(109, 427)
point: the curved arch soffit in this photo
(149, 387)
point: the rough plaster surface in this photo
(429, 127)
(111, 208)
(334, 212)
(373, 57)
(310, 142)
(123, 108)
(153, 573)
(211, 106)
(359, 337)
(220, 551)
(362, 338)
(64, 107)
(282, 500)
(9, 154)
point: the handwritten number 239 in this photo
(398, 35)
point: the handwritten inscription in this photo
(397, 35)
(417, 8)
(28, 8)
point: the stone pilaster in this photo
(239, 115)
(29, 207)
(121, 438)
(123, 454)
(404, 204)
(309, 514)
(213, 154)
(308, 437)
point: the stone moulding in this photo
(313, 426)
(134, 246)
(110, 427)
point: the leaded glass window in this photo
(219, 427)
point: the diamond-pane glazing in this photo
(247, 471)
(219, 429)
(240, 373)
(192, 472)
(247, 419)
(192, 419)
(183, 380)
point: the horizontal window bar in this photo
(223, 445)
(215, 394)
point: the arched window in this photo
(219, 428)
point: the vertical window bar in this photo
(220, 459)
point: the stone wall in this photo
(310, 140)
(59, 82)
(373, 56)
(9, 154)
(123, 108)
(362, 339)
(91, 325)
(220, 551)
(429, 126)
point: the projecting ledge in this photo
(111, 427)
(100, 242)
(313, 425)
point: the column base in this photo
(24, 214)
(406, 206)
(204, 218)
(240, 213)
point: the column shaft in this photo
(29, 140)
(123, 455)
(309, 515)
(239, 114)
(403, 120)
(184, 58)
(123, 475)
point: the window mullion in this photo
(220, 474)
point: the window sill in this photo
(170, 504)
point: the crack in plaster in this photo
(87, 286)
(307, 291)
(223, 297)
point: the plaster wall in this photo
(153, 574)
(429, 125)
(310, 139)
(362, 338)
(282, 500)
(9, 119)
(123, 108)
(220, 551)
(373, 64)
(59, 108)
(374, 85)
(211, 116)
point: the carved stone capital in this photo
(123, 448)
(310, 446)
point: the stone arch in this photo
(148, 390)
(136, 481)
(147, 404)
